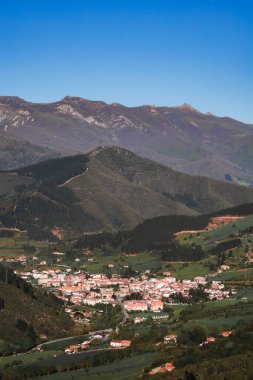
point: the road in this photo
(71, 179)
(37, 348)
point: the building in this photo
(226, 334)
(139, 319)
(136, 305)
(72, 349)
(120, 343)
(167, 367)
(85, 344)
(200, 280)
(170, 339)
(155, 305)
(207, 341)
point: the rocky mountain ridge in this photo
(179, 137)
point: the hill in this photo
(179, 137)
(158, 232)
(121, 189)
(27, 315)
(106, 190)
(15, 152)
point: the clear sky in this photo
(159, 52)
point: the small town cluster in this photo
(82, 289)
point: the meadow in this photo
(207, 239)
(29, 357)
(125, 369)
(140, 262)
(14, 246)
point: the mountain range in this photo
(108, 189)
(179, 137)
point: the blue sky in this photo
(161, 52)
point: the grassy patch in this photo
(29, 357)
(208, 238)
(12, 247)
(188, 271)
(140, 262)
(125, 369)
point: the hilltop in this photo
(179, 137)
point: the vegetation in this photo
(57, 171)
(121, 369)
(15, 243)
(104, 194)
(28, 315)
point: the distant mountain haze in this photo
(179, 137)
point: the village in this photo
(80, 288)
(145, 297)
(131, 301)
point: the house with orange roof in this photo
(226, 334)
(120, 343)
(167, 367)
(208, 340)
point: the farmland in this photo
(125, 369)
(14, 246)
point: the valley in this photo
(195, 300)
(126, 190)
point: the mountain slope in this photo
(106, 190)
(179, 137)
(27, 315)
(121, 189)
(15, 152)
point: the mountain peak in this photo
(187, 107)
(12, 100)
(77, 99)
(70, 99)
(108, 149)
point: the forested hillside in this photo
(27, 315)
(108, 190)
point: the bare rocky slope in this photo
(179, 137)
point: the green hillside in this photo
(109, 189)
(28, 315)
(121, 189)
(15, 152)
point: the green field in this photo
(236, 275)
(219, 315)
(125, 369)
(12, 247)
(29, 357)
(219, 324)
(139, 262)
(207, 239)
(188, 271)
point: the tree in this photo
(198, 294)
(192, 335)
